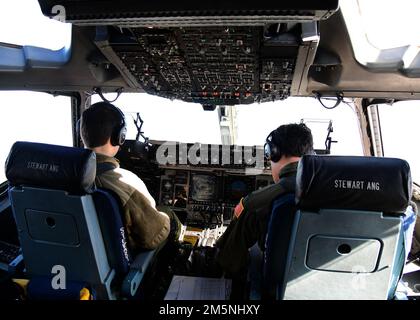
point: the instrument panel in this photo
(207, 197)
(202, 193)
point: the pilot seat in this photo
(341, 235)
(68, 227)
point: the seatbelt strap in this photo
(104, 167)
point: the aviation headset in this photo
(119, 132)
(273, 150)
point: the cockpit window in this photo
(34, 117)
(247, 125)
(390, 24)
(22, 23)
(256, 121)
(384, 34)
(399, 127)
(167, 120)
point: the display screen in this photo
(238, 187)
(204, 187)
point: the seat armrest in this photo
(142, 260)
(135, 275)
(16, 265)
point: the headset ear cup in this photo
(275, 153)
(123, 133)
(275, 150)
(118, 137)
(120, 132)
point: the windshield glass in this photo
(167, 120)
(34, 117)
(22, 23)
(382, 24)
(391, 23)
(384, 34)
(399, 127)
(187, 122)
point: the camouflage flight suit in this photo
(250, 221)
(147, 226)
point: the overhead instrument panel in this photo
(211, 53)
(206, 65)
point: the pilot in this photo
(284, 147)
(103, 130)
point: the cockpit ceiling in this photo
(185, 50)
(191, 51)
(128, 13)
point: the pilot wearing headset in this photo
(284, 147)
(103, 130)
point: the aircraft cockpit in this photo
(201, 85)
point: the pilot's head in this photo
(288, 143)
(103, 128)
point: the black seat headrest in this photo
(50, 166)
(350, 182)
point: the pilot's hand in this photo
(176, 227)
(175, 224)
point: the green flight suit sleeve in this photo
(146, 227)
(241, 234)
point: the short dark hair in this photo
(98, 124)
(293, 140)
